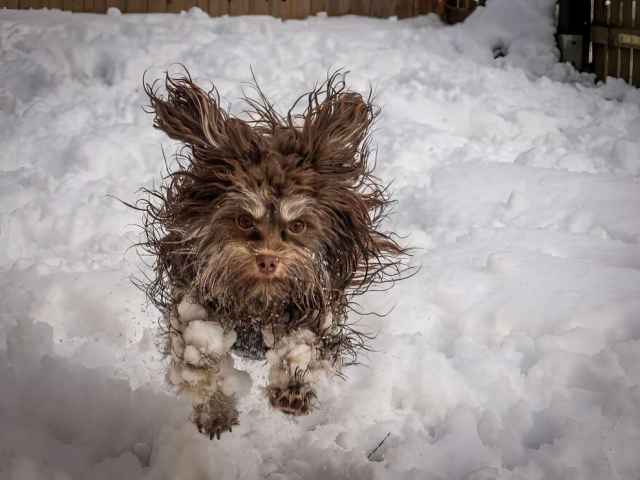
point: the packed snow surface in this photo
(514, 353)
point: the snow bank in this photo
(511, 355)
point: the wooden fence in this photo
(454, 10)
(615, 37)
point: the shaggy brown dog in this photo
(262, 237)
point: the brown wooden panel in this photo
(218, 7)
(337, 7)
(114, 3)
(238, 7)
(423, 7)
(282, 9)
(77, 5)
(188, 4)
(66, 4)
(612, 62)
(136, 6)
(302, 8)
(383, 8)
(13, 4)
(627, 13)
(89, 6)
(318, 6)
(600, 60)
(637, 22)
(625, 64)
(4, 3)
(360, 7)
(37, 4)
(203, 5)
(158, 6)
(404, 8)
(260, 7)
(25, 4)
(599, 12)
(615, 11)
(99, 6)
(636, 68)
(175, 6)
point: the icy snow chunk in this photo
(114, 11)
(208, 337)
(236, 382)
(188, 311)
(299, 357)
(192, 355)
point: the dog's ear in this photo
(336, 125)
(194, 117)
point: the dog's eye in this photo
(297, 227)
(244, 221)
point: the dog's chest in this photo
(250, 341)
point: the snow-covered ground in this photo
(513, 354)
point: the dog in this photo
(262, 237)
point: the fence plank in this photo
(283, 9)
(188, 4)
(600, 60)
(627, 13)
(120, 4)
(613, 61)
(383, 8)
(157, 6)
(360, 7)
(260, 7)
(318, 6)
(99, 6)
(175, 6)
(599, 12)
(337, 7)
(136, 6)
(238, 7)
(13, 4)
(302, 8)
(423, 7)
(24, 4)
(635, 76)
(218, 7)
(51, 4)
(614, 13)
(404, 8)
(625, 64)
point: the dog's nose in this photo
(267, 264)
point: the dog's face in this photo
(278, 211)
(267, 244)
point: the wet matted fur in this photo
(295, 189)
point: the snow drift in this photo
(513, 353)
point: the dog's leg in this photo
(202, 366)
(296, 364)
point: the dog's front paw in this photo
(295, 399)
(216, 416)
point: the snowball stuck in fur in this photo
(188, 311)
(208, 337)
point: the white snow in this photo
(208, 337)
(512, 354)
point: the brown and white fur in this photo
(262, 236)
